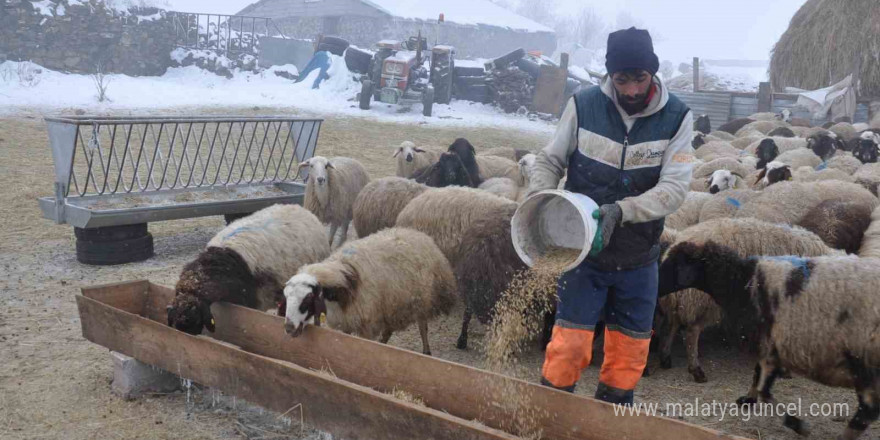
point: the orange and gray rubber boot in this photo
(628, 298)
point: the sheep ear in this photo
(761, 174)
(418, 150)
(397, 152)
(330, 166)
(304, 163)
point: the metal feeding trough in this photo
(113, 175)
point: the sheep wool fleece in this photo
(644, 163)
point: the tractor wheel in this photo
(428, 101)
(366, 94)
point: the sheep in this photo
(722, 135)
(510, 189)
(788, 202)
(801, 157)
(825, 144)
(695, 310)
(514, 154)
(861, 126)
(726, 204)
(247, 263)
(840, 225)
(751, 162)
(781, 132)
(785, 116)
(466, 153)
(448, 171)
(766, 152)
(818, 317)
(772, 173)
(495, 166)
(716, 148)
(487, 264)
(699, 182)
(802, 132)
(783, 144)
(743, 142)
(688, 214)
(762, 127)
(375, 286)
(846, 163)
(698, 140)
(446, 214)
(703, 124)
(868, 176)
(735, 125)
(379, 203)
(870, 247)
(844, 130)
(722, 180)
(766, 116)
(331, 189)
(411, 159)
(807, 174)
(868, 146)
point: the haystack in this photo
(826, 41)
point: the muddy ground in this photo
(54, 384)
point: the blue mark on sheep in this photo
(796, 261)
(734, 202)
(239, 230)
(822, 166)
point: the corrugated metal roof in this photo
(716, 105)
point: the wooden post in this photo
(563, 61)
(696, 74)
(765, 97)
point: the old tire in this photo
(109, 247)
(366, 94)
(428, 101)
(357, 60)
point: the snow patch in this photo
(459, 11)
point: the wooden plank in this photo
(550, 90)
(343, 409)
(462, 391)
(765, 97)
(696, 69)
(128, 296)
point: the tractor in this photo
(398, 74)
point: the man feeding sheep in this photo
(627, 145)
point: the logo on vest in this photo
(646, 157)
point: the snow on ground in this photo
(459, 11)
(56, 92)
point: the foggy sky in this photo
(710, 29)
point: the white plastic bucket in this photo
(554, 218)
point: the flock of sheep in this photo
(439, 232)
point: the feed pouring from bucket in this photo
(552, 222)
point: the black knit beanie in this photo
(631, 49)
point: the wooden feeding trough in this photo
(251, 357)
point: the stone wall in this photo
(76, 38)
(469, 41)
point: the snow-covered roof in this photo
(458, 11)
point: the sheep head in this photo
(784, 115)
(774, 172)
(767, 151)
(721, 180)
(825, 144)
(190, 314)
(301, 293)
(406, 151)
(306, 292)
(711, 268)
(868, 147)
(527, 166)
(703, 124)
(319, 177)
(698, 140)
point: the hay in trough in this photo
(826, 41)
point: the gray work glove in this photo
(609, 217)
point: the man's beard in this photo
(639, 103)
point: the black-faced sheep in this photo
(468, 156)
(486, 264)
(375, 286)
(766, 152)
(825, 144)
(448, 171)
(698, 140)
(695, 311)
(446, 215)
(247, 263)
(703, 124)
(735, 125)
(868, 147)
(783, 144)
(818, 317)
(332, 187)
(379, 203)
(840, 225)
(412, 159)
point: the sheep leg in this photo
(692, 343)
(386, 335)
(333, 228)
(423, 330)
(667, 337)
(868, 391)
(344, 232)
(463, 337)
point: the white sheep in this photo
(870, 247)
(718, 148)
(844, 130)
(787, 202)
(509, 189)
(817, 317)
(807, 174)
(868, 176)
(509, 153)
(844, 162)
(725, 204)
(695, 311)
(743, 142)
(411, 159)
(379, 203)
(332, 187)
(722, 180)
(800, 157)
(688, 214)
(699, 181)
(722, 135)
(783, 144)
(495, 166)
(762, 127)
(375, 286)
(247, 263)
